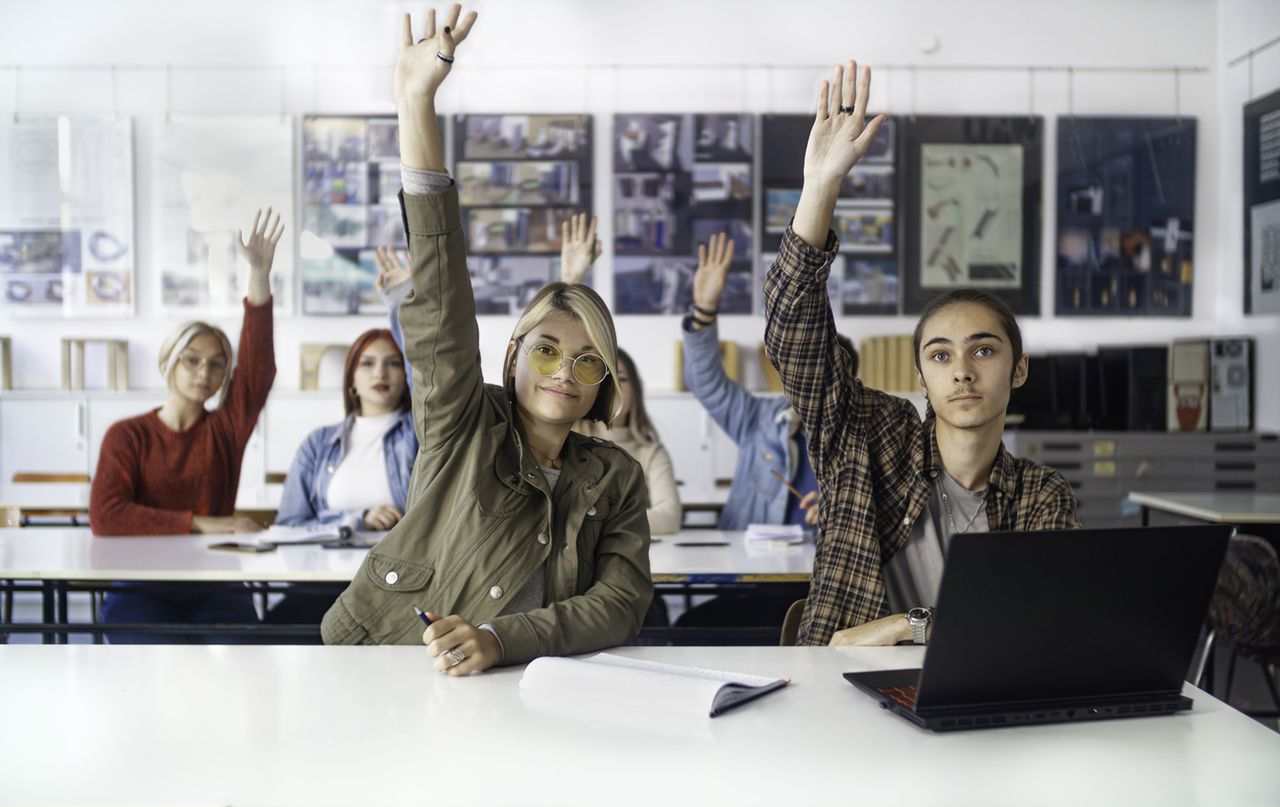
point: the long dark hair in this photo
(638, 418)
(350, 402)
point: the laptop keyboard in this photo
(903, 695)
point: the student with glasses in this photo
(894, 488)
(175, 470)
(522, 538)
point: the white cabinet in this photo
(290, 417)
(43, 435)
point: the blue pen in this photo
(426, 620)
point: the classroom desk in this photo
(1221, 507)
(53, 557)
(375, 725)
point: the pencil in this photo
(788, 485)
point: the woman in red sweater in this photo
(175, 470)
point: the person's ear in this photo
(923, 388)
(1020, 372)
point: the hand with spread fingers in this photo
(840, 137)
(459, 647)
(260, 251)
(713, 272)
(579, 248)
(393, 269)
(424, 64)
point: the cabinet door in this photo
(290, 418)
(44, 436)
(684, 428)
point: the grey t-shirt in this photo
(913, 575)
(534, 591)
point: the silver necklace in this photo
(946, 504)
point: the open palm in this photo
(841, 136)
(713, 271)
(419, 69)
(260, 249)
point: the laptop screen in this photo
(1036, 616)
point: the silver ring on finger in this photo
(456, 656)
(846, 110)
(443, 58)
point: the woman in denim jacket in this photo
(356, 472)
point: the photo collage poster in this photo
(350, 206)
(864, 275)
(66, 217)
(971, 197)
(209, 177)
(1262, 205)
(520, 177)
(678, 180)
(1126, 200)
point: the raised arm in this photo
(579, 248)
(255, 368)
(441, 340)
(800, 334)
(731, 406)
(393, 285)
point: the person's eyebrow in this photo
(546, 336)
(980, 335)
(938, 340)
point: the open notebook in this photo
(646, 684)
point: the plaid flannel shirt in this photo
(874, 458)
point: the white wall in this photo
(604, 57)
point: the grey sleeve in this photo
(421, 182)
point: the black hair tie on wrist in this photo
(699, 309)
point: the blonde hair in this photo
(178, 341)
(583, 304)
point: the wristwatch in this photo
(919, 619)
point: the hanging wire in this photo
(281, 100)
(115, 101)
(1031, 93)
(913, 93)
(1177, 95)
(17, 86)
(168, 90)
(1071, 92)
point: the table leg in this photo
(47, 608)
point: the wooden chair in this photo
(791, 624)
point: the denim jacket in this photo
(762, 426)
(305, 500)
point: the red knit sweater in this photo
(151, 480)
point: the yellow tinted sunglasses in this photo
(547, 359)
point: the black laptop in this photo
(1047, 627)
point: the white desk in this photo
(1222, 507)
(72, 553)
(375, 725)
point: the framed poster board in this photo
(520, 177)
(1262, 205)
(350, 206)
(67, 244)
(971, 199)
(209, 174)
(864, 275)
(1126, 202)
(678, 180)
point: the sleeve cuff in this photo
(393, 296)
(805, 262)
(501, 649)
(422, 182)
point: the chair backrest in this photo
(791, 624)
(1245, 609)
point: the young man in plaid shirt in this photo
(894, 488)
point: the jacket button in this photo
(542, 538)
(392, 578)
(496, 592)
(511, 478)
(768, 455)
(531, 475)
(591, 512)
(597, 441)
(933, 474)
(330, 469)
(906, 521)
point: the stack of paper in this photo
(776, 533)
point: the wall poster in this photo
(971, 191)
(209, 176)
(66, 217)
(520, 177)
(1262, 205)
(1126, 203)
(678, 180)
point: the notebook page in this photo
(678, 669)
(640, 688)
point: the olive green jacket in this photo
(480, 519)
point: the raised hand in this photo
(579, 248)
(713, 271)
(423, 64)
(392, 268)
(260, 251)
(840, 135)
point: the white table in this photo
(1221, 507)
(56, 556)
(375, 725)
